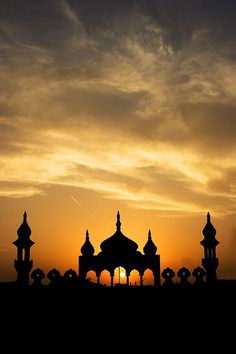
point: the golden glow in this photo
(116, 118)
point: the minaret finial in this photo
(25, 216)
(118, 223)
(149, 234)
(87, 235)
(208, 217)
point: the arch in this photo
(120, 277)
(105, 278)
(91, 276)
(148, 277)
(134, 278)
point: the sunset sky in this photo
(110, 105)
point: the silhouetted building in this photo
(210, 262)
(23, 264)
(119, 251)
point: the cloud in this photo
(132, 106)
(19, 190)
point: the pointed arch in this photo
(120, 276)
(91, 276)
(134, 278)
(148, 277)
(105, 278)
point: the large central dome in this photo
(118, 244)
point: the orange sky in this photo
(59, 224)
(128, 108)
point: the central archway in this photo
(120, 277)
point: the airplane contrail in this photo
(76, 201)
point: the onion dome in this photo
(118, 244)
(70, 274)
(87, 249)
(168, 273)
(24, 231)
(53, 274)
(198, 273)
(38, 274)
(209, 233)
(209, 230)
(183, 273)
(150, 248)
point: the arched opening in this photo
(134, 279)
(148, 277)
(91, 276)
(105, 278)
(120, 276)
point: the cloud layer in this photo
(132, 99)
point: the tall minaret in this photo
(23, 264)
(210, 262)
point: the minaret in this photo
(210, 262)
(85, 261)
(152, 260)
(23, 264)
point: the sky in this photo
(118, 105)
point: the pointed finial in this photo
(208, 217)
(150, 248)
(87, 235)
(87, 249)
(118, 223)
(25, 216)
(149, 235)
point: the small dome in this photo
(209, 233)
(87, 249)
(24, 230)
(209, 230)
(118, 244)
(150, 248)
(53, 274)
(24, 233)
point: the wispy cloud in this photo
(122, 108)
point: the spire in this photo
(149, 234)
(87, 235)
(208, 217)
(25, 217)
(118, 223)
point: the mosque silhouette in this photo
(116, 251)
